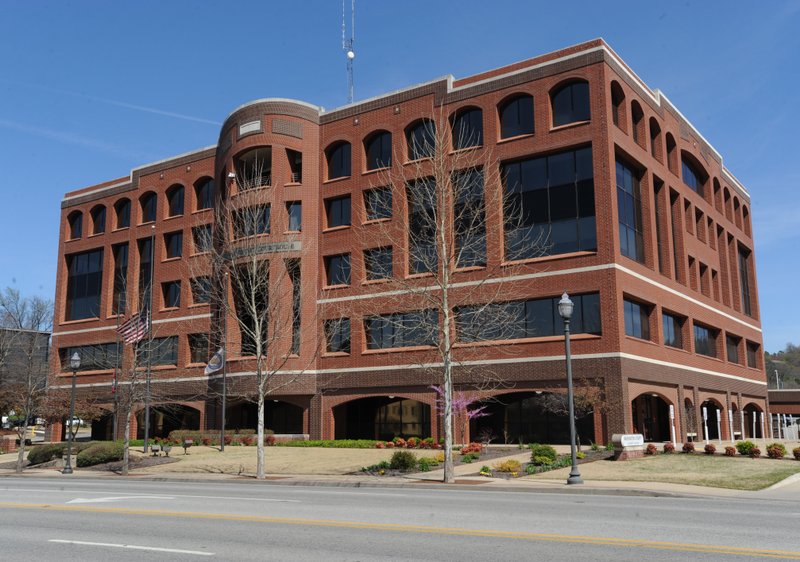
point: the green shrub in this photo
(595, 446)
(469, 457)
(424, 464)
(331, 443)
(776, 450)
(179, 435)
(541, 461)
(609, 446)
(744, 447)
(99, 453)
(45, 453)
(403, 460)
(580, 455)
(542, 452)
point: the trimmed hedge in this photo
(542, 454)
(46, 453)
(179, 435)
(99, 453)
(331, 443)
(403, 460)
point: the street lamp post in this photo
(565, 307)
(75, 364)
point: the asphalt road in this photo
(86, 519)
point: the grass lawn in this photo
(737, 473)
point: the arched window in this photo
(421, 139)
(339, 161)
(717, 196)
(175, 200)
(99, 219)
(746, 219)
(149, 205)
(737, 219)
(637, 116)
(672, 154)
(692, 174)
(516, 116)
(378, 150)
(254, 168)
(467, 126)
(655, 140)
(618, 105)
(571, 103)
(75, 220)
(726, 199)
(204, 193)
(122, 208)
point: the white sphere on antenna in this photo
(351, 55)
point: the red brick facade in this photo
(693, 273)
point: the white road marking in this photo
(134, 547)
(119, 498)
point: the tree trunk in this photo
(260, 446)
(21, 453)
(126, 455)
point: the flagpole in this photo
(149, 339)
(116, 375)
(224, 361)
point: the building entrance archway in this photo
(382, 418)
(714, 422)
(165, 418)
(650, 414)
(752, 422)
(279, 416)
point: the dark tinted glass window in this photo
(75, 221)
(98, 220)
(705, 341)
(744, 281)
(198, 348)
(293, 268)
(251, 221)
(691, 177)
(338, 211)
(673, 334)
(163, 351)
(516, 117)
(295, 211)
(175, 200)
(421, 139)
(172, 294)
(378, 203)
(422, 257)
(629, 205)
(202, 238)
(145, 271)
(752, 355)
(339, 160)
(84, 284)
(97, 357)
(337, 333)
(201, 290)
(467, 128)
(149, 204)
(119, 303)
(378, 263)
(637, 323)
(204, 190)
(123, 210)
(407, 329)
(378, 150)
(254, 169)
(571, 104)
(174, 244)
(732, 348)
(469, 218)
(526, 319)
(338, 269)
(549, 205)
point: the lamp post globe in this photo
(565, 308)
(75, 364)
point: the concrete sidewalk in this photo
(466, 477)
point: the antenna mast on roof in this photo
(347, 46)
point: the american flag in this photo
(135, 328)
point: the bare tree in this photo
(446, 203)
(255, 287)
(589, 397)
(27, 322)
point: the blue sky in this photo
(91, 89)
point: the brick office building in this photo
(645, 228)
